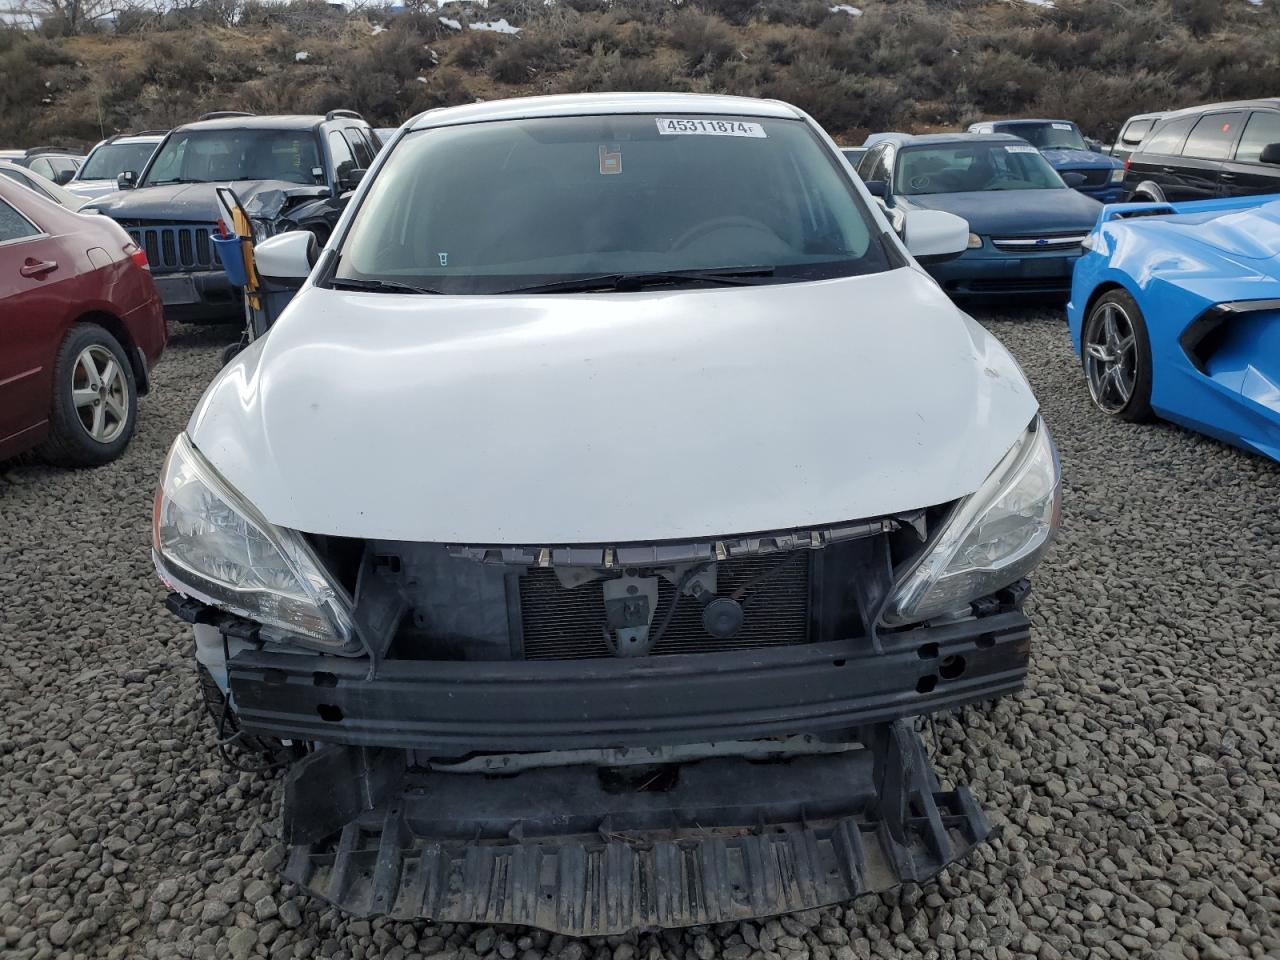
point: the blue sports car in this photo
(1175, 311)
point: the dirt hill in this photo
(872, 65)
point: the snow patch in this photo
(845, 8)
(441, 4)
(496, 26)
(451, 24)
(378, 28)
(422, 79)
(300, 56)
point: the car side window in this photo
(1262, 129)
(42, 167)
(343, 161)
(1168, 139)
(27, 182)
(1212, 136)
(1136, 130)
(14, 226)
(363, 155)
(874, 165)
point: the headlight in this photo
(1117, 175)
(208, 543)
(261, 229)
(975, 241)
(994, 536)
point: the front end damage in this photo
(597, 739)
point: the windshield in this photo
(112, 159)
(209, 156)
(496, 207)
(1047, 134)
(972, 166)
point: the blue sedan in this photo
(1175, 312)
(1094, 174)
(1026, 224)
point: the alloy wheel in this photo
(1111, 357)
(100, 393)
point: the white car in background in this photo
(41, 185)
(548, 510)
(111, 158)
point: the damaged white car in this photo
(589, 531)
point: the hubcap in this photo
(100, 393)
(1111, 357)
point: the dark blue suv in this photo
(1062, 144)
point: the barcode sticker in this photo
(711, 128)
(1062, 126)
(1019, 148)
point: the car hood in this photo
(1253, 233)
(610, 418)
(89, 189)
(1063, 158)
(192, 201)
(1003, 212)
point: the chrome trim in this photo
(1038, 243)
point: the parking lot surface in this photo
(1135, 779)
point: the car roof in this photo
(1031, 120)
(933, 139)
(133, 138)
(1272, 102)
(594, 104)
(276, 122)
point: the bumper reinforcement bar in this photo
(577, 851)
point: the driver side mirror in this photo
(127, 180)
(1270, 154)
(877, 188)
(351, 179)
(1073, 179)
(286, 256)
(933, 236)
(63, 177)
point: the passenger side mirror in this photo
(286, 256)
(1073, 179)
(933, 235)
(877, 188)
(351, 179)
(1270, 153)
(127, 180)
(63, 177)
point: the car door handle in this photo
(38, 268)
(1227, 176)
(1168, 170)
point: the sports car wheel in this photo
(1117, 357)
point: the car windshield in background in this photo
(515, 205)
(1047, 135)
(112, 159)
(209, 156)
(973, 166)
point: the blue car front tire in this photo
(1116, 353)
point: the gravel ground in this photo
(1136, 777)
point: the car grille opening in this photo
(562, 623)
(174, 247)
(1039, 244)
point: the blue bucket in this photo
(231, 253)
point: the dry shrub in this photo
(705, 41)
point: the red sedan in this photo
(81, 326)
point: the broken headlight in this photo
(208, 543)
(993, 537)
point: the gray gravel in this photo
(1136, 778)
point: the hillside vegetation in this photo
(901, 64)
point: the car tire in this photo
(94, 409)
(1115, 351)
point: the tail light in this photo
(137, 255)
(1128, 161)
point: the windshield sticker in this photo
(610, 160)
(1061, 126)
(1019, 148)
(712, 128)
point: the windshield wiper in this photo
(378, 286)
(629, 282)
(164, 183)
